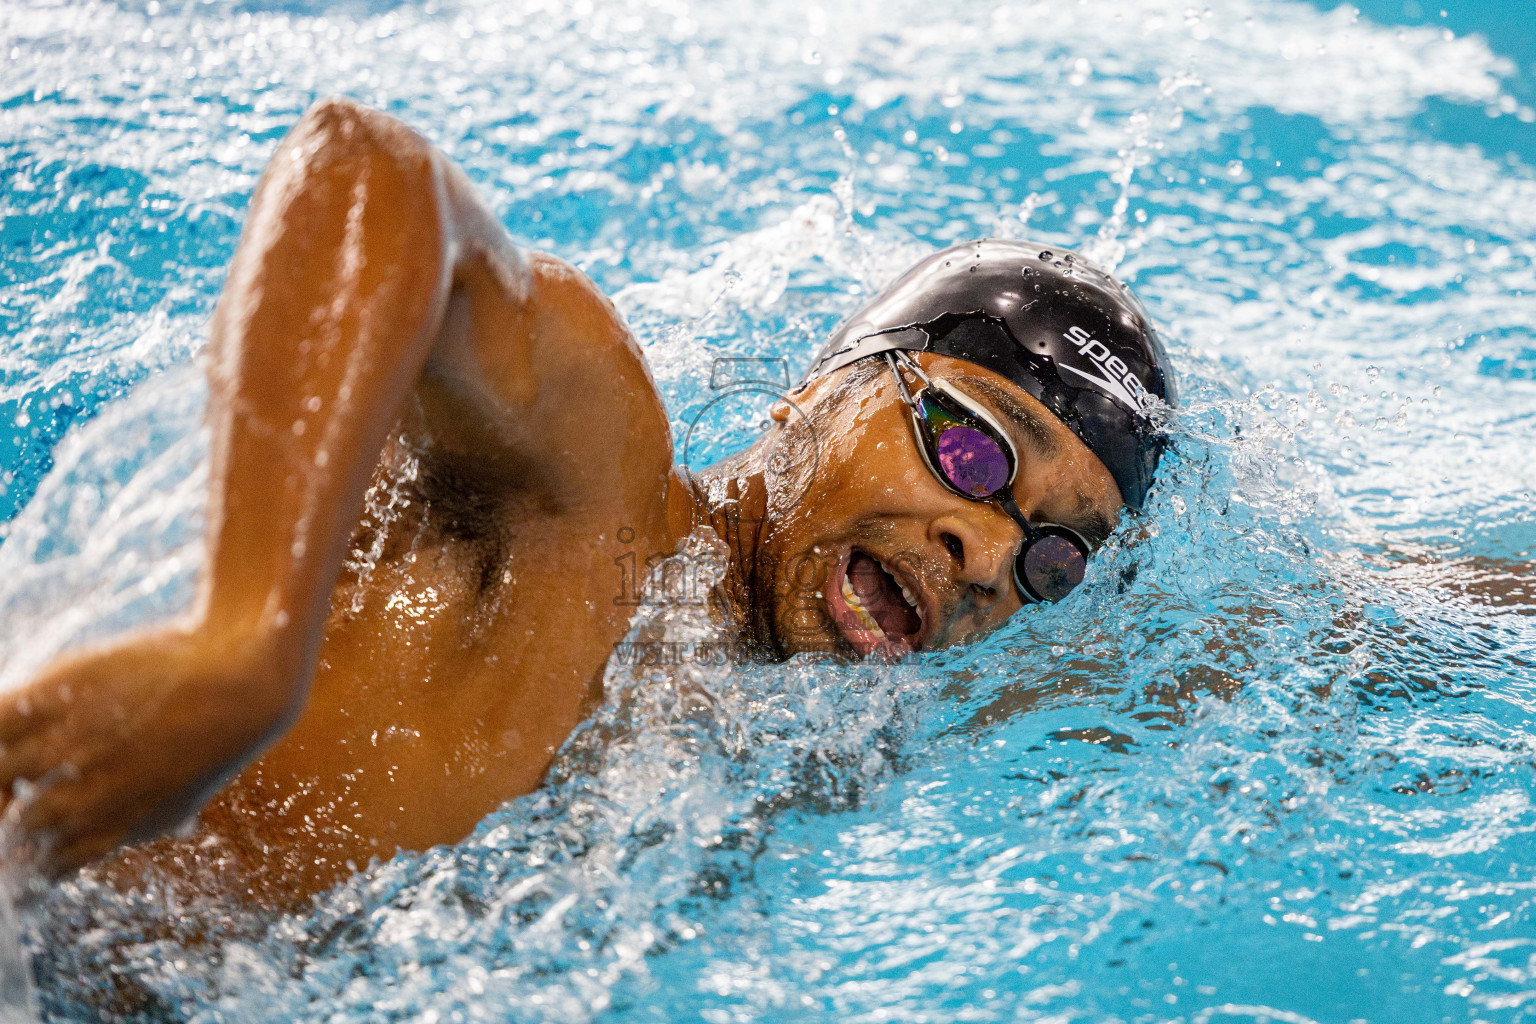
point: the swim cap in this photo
(1046, 319)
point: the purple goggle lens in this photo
(973, 462)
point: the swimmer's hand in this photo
(117, 744)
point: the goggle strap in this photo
(901, 384)
(911, 365)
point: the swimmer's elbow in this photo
(340, 122)
(351, 151)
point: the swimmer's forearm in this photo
(335, 299)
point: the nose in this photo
(982, 545)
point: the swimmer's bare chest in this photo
(453, 665)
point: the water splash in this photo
(1147, 129)
(1287, 723)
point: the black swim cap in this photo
(1046, 319)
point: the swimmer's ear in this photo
(780, 411)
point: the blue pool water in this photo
(1283, 772)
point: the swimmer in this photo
(391, 375)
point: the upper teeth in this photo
(911, 600)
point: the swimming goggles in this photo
(972, 455)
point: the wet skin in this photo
(390, 375)
(870, 492)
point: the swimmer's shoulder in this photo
(536, 402)
(534, 385)
(540, 390)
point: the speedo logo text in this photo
(1118, 380)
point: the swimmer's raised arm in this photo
(368, 277)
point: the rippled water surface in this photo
(1282, 770)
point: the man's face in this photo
(864, 550)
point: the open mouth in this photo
(872, 608)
